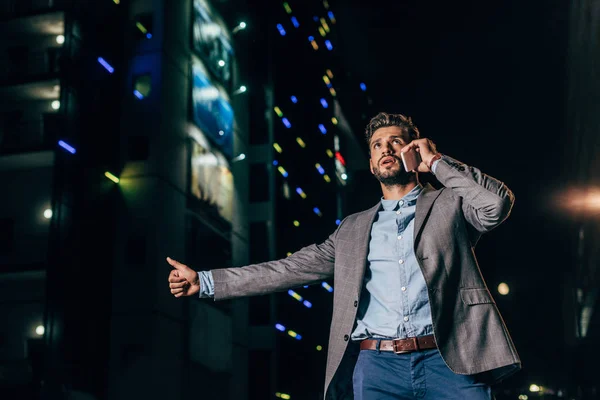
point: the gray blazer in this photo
(471, 335)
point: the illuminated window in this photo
(142, 86)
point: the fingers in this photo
(177, 291)
(176, 264)
(174, 277)
(176, 285)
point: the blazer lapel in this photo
(424, 203)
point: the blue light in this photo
(363, 87)
(329, 85)
(330, 15)
(286, 122)
(138, 94)
(337, 221)
(295, 22)
(316, 210)
(307, 303)
(294, 99)
(67, 147)
(148, 35)
(285, 174)
(326, 286)
(298, 336)
(328, 45)
(323, 129)
(310, 38)
(281, 30)
(299, 191)
(324, 103)
(106, 65)
(280, 327)
(305, 286)
(275, 162)
(316, 19)
(321, 170)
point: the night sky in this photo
(485, 82)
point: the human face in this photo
(385, 162)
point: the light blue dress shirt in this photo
(394, 301)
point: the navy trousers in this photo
(384, 375)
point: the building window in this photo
(142, 85)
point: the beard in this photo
(391, 177)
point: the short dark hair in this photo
(383, 120)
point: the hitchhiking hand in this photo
(183, 281)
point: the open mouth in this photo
(387, 161)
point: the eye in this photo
(397, 141)
(376, 145)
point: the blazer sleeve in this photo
(310, 264)
(486, 202)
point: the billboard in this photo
(211, 110)
(211, 179)
(211, 42)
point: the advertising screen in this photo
(211, 42)
(211, 180)
(211, 110)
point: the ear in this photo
(371, 166)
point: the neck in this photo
(396, 192)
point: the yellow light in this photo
(534, 388)
(324, 23)
(282, 170)
(40, 330)
(296, 296)
(287, 7)
(327, 178)
(503, 289)
(332, 91)
(278, 112)
(292, 333)
(303, 195)
(296, 223)
(285, 396)
(141, 27)
(289, 253)
(319, 348)
(47, 213)
(277, 147)
(523, 397)
(334, 121)
(301, 142)
(60, 39)
(329, 73)
(111, 177)
(117, 1)
(329, 153)
(314, 45)
(332, 18)
(326, 4)
(326, 80)
(322, 31)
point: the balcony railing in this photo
(30, 65)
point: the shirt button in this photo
(404, 288)
(355, 303)
(401, 202)
(398, 212)
(399, 237)
(401, 262)
(346, 337)
(405, 319)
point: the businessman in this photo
(412, 315)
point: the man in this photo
(408, 291)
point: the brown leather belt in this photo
(400, 346)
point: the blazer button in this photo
(346, 337)
(355, 303)
(461, 169)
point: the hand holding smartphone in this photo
(411, 160)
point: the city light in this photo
(327, 287)
(329, 73)
(241, 89)
(55, 105)
(329, 153)
(286, 122)
(284, 396)
(241, 26)
(331, 17)
(332, 91)
(117, 1)
(327, 178)
(296, 223)
(106, 65)
(295, 295)
(503, 289)
(60, 39)
(221, 63)
(282, 171)
(326, 80)
(324, 103)
(534, 388)
(363, 87)
(280, 327)
(277, 147)
(39, 330)
(326, 4)
(319, 348)
(301, 192)
(337, 222)
(47, 213)
(319, 168)
(280, 29)
(294, 99)
(328, 45)
(287, 7)
(278, 111)
(141, 27)
(344, 176)
(334, 121)
(314, 44)
(66, 146)
(295, 335)
(137, 94)
(300, 142)
(339, 157)
(523, 397)
(307, 304)
(317, 211)
(240, 157)
(295, 22)
(111, 177)
(322, 31)
(322, 129)
(324, 24)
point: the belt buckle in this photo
(395, 343)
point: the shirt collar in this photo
(409, 199)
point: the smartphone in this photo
(411, 160)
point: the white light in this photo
(241, 89)
(48, 213)
(503, 289)
(221, 63)
(238, 28)
(55, 105)
(40, 330)
(534, 388)
(344, 176)
(242, 25)
(241, 157)
(523, 397)
(221, 133)
(60, 39)
(56, 88)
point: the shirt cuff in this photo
(434, 165)
(207, 284)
